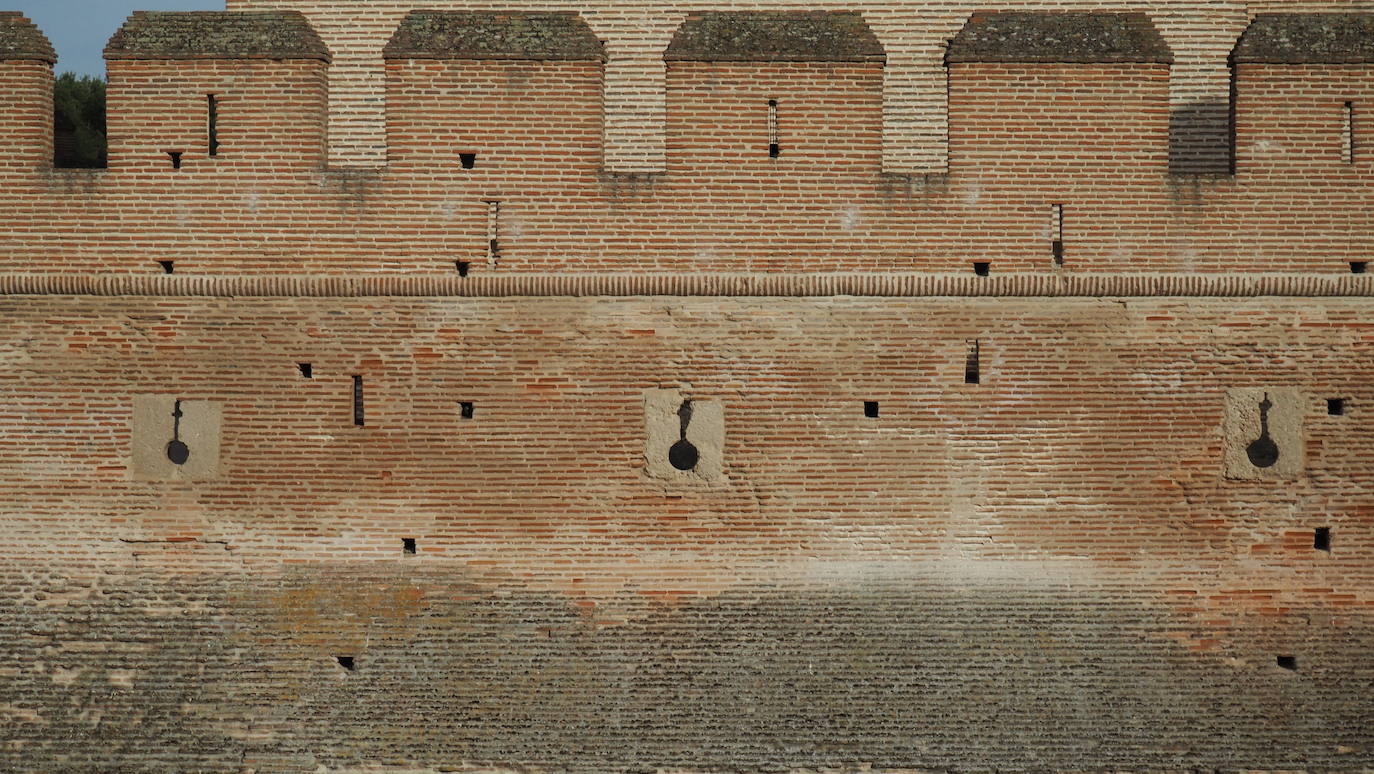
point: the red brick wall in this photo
(26, 118)
(1064, 523)
(271, 117)
(1093, 138)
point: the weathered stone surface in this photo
(20, 39)
(1307, 38)
(479, 35)
(1059, 36)
(216, 35)
(774, 36)
(891, 668)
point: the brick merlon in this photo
(1059, 36)
(1307, 38)
(775, 36)
(216, 35)
(494, 35)
(20, 39)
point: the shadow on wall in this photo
(1200, 139)
(325, 667)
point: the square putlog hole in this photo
(466, 409)
(408, 546)
(981, 268)
(1321, 539)
(1335, 407)
(871, 409)
(1287, 662)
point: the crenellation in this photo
(781, 125)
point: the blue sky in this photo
(79, 29)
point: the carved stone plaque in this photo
(685, 438)
(1263, 433)
(175, 439)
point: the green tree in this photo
(79, 121)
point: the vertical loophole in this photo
(972, 368)
(493, 231)
(358, 400)
(774, 149)
(175, 156)
(1057, 233)
(1321, 538)
(1348, 133)
(212, 123)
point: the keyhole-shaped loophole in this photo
(1262, 451)
(683, 455)
(177, 450)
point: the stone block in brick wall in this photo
(175, 439)
(684, 437)
(1264, 433)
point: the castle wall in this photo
(1023, 138)
(1056, 551)
(913, 32)
(551, 462)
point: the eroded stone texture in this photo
(890, 668)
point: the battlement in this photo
(496, 130)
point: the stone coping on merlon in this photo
(494, 35)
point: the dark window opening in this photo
(175, 156)
(358, 400)
(1321, 538)
(1335, 406)
(212, 123)
(774, 148)
(871, 409)
(463, 267)
(468, 160)
(981, 268)
(1359, 267)
(493, 231)
(408, 545)
(466, 409)
(167, 266)
(1287, 662)
(307, 370)
(79, 140)
(345, 661)
(1057, 233)
(972, 366)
